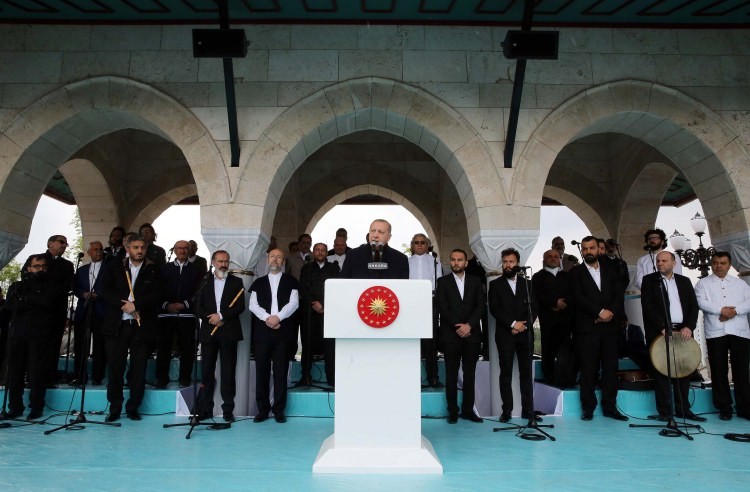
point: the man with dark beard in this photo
(599, 300)
(508, 300)
(460, 301)
(30, 303)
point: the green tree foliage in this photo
(11, 273)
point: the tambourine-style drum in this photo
(685, 355)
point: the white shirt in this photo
(596, 274)
(337, 258)
(94, 269)
(645, 266)
(134, 271)
(675, 305)
(422, 267)
(285, 311)
(219, 284)
(553, 271)
(714, 293)
(460, 282)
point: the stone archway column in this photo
(487, 246)
(10, 245)
(245, 248)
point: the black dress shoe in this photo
(505, 417)
(435, 383)
(280, 418)
(452, 419)
(112, 417)
(34, 414)
(690, 416)
(261, 417)
(160, 385)
(472, 417)
(96, 382)
(184, 383)
(11, 414)
(615, 414)
(528, 416)
(660, 417)
(587, 415)
(134, 415)
(228, 417)
(725, 416)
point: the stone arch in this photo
(96, 205)
(376, 104)
(641, 205)
(151, 211)
(688, 133)
(378, 191)
(43, 136)
(596, 225)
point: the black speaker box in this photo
(531, 45)
(219, 43)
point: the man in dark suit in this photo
(176, 316)
(599, 301)
(60, 272)
(131, 292)
(115, 250)
(30, 303)
(460, 301)
(85, 286)
(274, 299)
(668, 299)
(312, 293)
(221, 301)
(509, 303)
(153, 252)
(555, 299)
(198, 261)
(376, 259)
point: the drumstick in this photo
(130, 286)
(230, 305)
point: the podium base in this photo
(385, 460)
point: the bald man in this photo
(274, 299)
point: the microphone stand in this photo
(431, 355)
(532, 424)
(71, 326)
(194, 417)
(671, 428)
(83, 377)
(307, 356)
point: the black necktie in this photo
(377, 256)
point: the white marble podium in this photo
(377, 425)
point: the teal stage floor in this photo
(598, 455)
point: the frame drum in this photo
(686, 355)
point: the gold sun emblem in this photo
(378, 307)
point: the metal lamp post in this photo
(693, 258)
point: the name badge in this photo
(377, 265)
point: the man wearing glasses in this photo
(423, 266)
(60, 274)
(30, 301)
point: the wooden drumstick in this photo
(230, 305)
(130, 286)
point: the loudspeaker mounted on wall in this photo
(219, 43)
(531, 45)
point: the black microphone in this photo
(574, 242)
(80, 255)
(519, 268)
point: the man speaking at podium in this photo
(376, 260)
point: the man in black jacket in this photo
(376, 259)
(312, 294)
(668, 299)
(460, 301)
(222, 300)
(60, 272)
(555, 298)
(131, 292)
(274, 299)
(509, 304)
(599, 301)
(30, 303)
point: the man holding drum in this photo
(668, 300)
